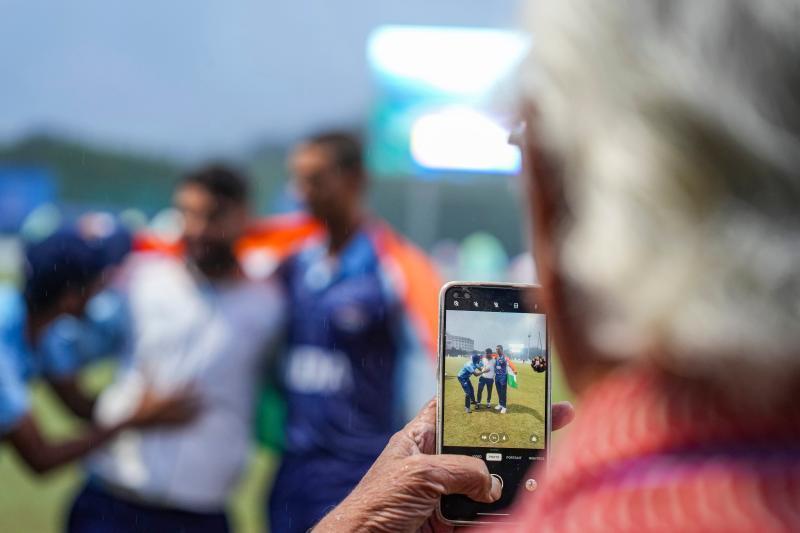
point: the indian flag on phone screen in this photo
(512, 380)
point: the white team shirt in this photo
(489, 362)
(187, 332)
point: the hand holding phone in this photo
(491, 332)
(419, 480)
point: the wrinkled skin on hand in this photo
(402, 489)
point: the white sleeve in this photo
(119, 401)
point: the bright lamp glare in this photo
(461, 138)
(466, 61)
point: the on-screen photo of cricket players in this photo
(495, 382)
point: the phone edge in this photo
(440, 385)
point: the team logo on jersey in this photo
(350, 318)
(315, 370)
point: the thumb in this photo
(459, 474)
(563, 413)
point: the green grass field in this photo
(525, 416)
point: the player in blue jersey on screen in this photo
(501, 370)
(474, 367)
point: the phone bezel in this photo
(440, 382)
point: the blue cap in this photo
(476, 359)
(105, 233)
(60, 262)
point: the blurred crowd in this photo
(317, 327)
(661, 143)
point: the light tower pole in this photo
(529, 345)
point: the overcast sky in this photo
(489, 329)
(190, 77)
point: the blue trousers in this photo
(96, 510)
(489, 384)
(502, 387)
(297, 516)
(469, 391)
(306, 489)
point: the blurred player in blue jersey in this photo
(354, 370)
(61, 273)
(474, 367)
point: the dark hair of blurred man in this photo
(200, 324)
(61, 273)
(329, 175)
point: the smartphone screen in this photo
(494, 389)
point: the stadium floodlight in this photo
(437, 109)
(450, 60)
(462, 138)
(516, 347)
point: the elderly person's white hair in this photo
(678, 125)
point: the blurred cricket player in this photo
(62, 272)
(356, 366)
(192, 320)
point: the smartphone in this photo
(494, 389)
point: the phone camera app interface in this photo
(495, 385)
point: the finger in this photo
(192, 405)
(417, 437)
(563, 413)
(184, 412)
(425, 438)
(179, 400)
(181, 408)
(185, 393)
(420, 432)
(459, 474)
(178, 414)
(427, 414)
